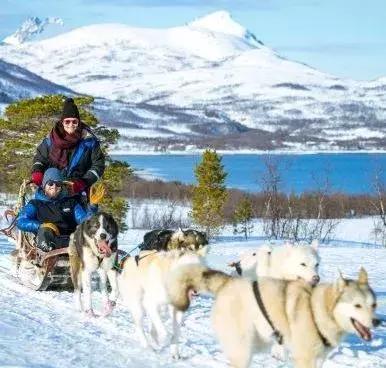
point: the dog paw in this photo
(90, 313)
(174, 352)
(108, 308)
(279, 352)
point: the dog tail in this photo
(75, 270)
(193, 278)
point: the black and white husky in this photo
(93, 247)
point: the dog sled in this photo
(34, 268)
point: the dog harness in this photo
(238, 268)
(259, 300)
(325, 342)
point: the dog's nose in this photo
(376, 322)
(103, 236)
(315, 279)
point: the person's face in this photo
(70, 125)
(52, 189)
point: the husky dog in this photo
(309, 321)
(165, 239)
(142, 287)
(93, 247)
(189, 238)
(288, 262)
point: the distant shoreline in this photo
(240, 152)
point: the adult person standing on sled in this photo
(72, 148)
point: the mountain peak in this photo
(221, 21)
(30, 28)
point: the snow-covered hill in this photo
(209, 82)
(17, 83)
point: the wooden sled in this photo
(40, 270)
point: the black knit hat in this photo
(70, 110)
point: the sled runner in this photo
(40, 270)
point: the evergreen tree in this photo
(209, 195)
(242, 218)
(27, 122)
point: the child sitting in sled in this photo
(53, 215)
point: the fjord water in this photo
(346, 172)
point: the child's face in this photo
(52, 189)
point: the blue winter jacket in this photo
(87, 161)
(65, 212)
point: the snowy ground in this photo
(41, 329)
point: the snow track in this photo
(42, 329)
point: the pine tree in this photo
(242, 218)
(209, 195)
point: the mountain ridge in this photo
(30, 28)
(190, 86)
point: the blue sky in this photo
(343, 37)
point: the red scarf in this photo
(60, 147)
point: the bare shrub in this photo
(285, 216)
(169, 215)
(378, 202)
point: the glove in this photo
(78, 185)
(97, 192)
(37, 178)
(51, 226)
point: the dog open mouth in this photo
(362, 330)
(104, 248)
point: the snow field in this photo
(42, 329)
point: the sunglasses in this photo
(71, 122)
(51, 183)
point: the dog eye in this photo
(374, 305)
(317, 265)
(303, 264)
(358, 306)
(254, 254)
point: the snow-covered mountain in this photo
(17, 83)
(209, 82)
(29, 29)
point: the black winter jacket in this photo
(86, 161)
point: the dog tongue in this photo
(363, 330)
(104, 248)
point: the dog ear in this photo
(340, 283)
(363, 278)
(315, 245)
(202, 250)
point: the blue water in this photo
(346, 172)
